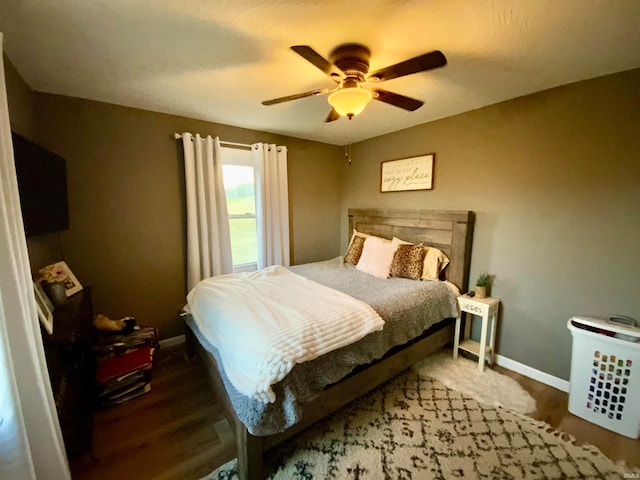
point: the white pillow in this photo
(401, 242)
(377, 256)
(354, 235)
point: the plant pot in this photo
(481, 292)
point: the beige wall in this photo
(126, 207)
(553, 177)
(21, 102)
(44, 249)
(555, 181)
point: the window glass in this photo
(239, 185)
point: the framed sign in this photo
(414, 173)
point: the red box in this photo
(115, 366)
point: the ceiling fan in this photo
(348, 66)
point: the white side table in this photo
(487, 309)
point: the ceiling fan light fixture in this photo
(348, 67)
(350, 101)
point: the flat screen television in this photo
(42, 183)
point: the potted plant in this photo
(482, 283)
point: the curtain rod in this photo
(178, 136)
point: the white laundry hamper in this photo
(605, 373)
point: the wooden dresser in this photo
(71, 366)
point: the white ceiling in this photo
(217, 60)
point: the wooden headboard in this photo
(450, 231)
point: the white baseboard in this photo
(173, 341)
(530, 372)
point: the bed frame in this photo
(451, 232)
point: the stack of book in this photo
(124, 364)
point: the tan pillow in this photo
(435, 262)
(408, 261)
(376, 258)
(355, 250)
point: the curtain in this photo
(272, 204)
(31, 443)
(208, 237)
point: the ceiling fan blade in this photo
(396, 99)
(333, 115)
(428, 61)
(310, 93)
(310, 55)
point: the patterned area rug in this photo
(415, 428)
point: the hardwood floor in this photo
(552, 409)
(168, 433)
(176, 431)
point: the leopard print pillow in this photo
(408, 262)
(355, 250)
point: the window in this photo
(239, 185)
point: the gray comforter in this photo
(408, 308)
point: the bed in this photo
(302, 403)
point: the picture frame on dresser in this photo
(60, 272)
(44, 306)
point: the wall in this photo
(21, 102)
(554, 178)
(126, 207)
(44, 249)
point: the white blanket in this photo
(263, 323)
